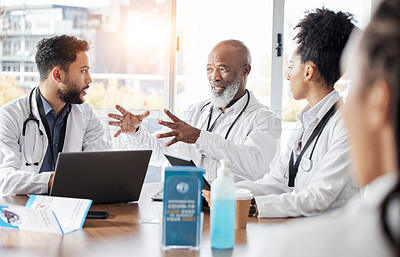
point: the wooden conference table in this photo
(125, 233)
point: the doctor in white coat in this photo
(234, 125)
(56, 108)
(313, 173)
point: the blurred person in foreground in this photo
(369, 225)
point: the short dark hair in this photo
(57, 51)
(322, 37)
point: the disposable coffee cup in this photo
(243, 199)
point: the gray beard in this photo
(221, 100)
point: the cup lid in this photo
(243, 194)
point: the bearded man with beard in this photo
(52, 118)
(234, 125)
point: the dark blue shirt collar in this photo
(47, 108)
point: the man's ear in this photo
(378, 104)
(57, 74)
(246, 69)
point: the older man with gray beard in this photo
(234, 125)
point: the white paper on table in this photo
(50, 214)
(29, 219)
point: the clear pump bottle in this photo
(222, 210)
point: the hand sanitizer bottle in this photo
(222, 210)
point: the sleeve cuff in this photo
(45, 178)
(132, 139)
(265, 210)
(201, 142)
(208, 140)
(137, 133)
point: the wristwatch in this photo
(253, 208)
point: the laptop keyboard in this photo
(159, 197)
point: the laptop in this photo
(175, 160)
(103, 176)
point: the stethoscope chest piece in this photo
(306, 164)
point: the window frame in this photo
(277, 77)
(172, 48)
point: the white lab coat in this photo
(355, 231)
(84, 132)
(250, 147)
(327, 185)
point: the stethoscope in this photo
(210, 126)
(307, 163)
(31, 117)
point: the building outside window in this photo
(11, 47)
(130, 44)
(11, 66)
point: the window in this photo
(11, 47)
(31, 67)
(11, 66)
(16, 22)
(202, 25)
(130, 55)
(129, 70)
(5, 82)
(30, 45)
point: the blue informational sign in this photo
(182, 217)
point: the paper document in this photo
(49, 214)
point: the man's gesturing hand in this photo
(181, 131)
(128, 122)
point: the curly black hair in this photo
(322, 37)
(57, 51)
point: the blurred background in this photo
(151, 54)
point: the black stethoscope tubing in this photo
(31, 117)
(293, 167)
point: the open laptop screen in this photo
(103, 176)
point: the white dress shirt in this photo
(306, 117)
(250, 146)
